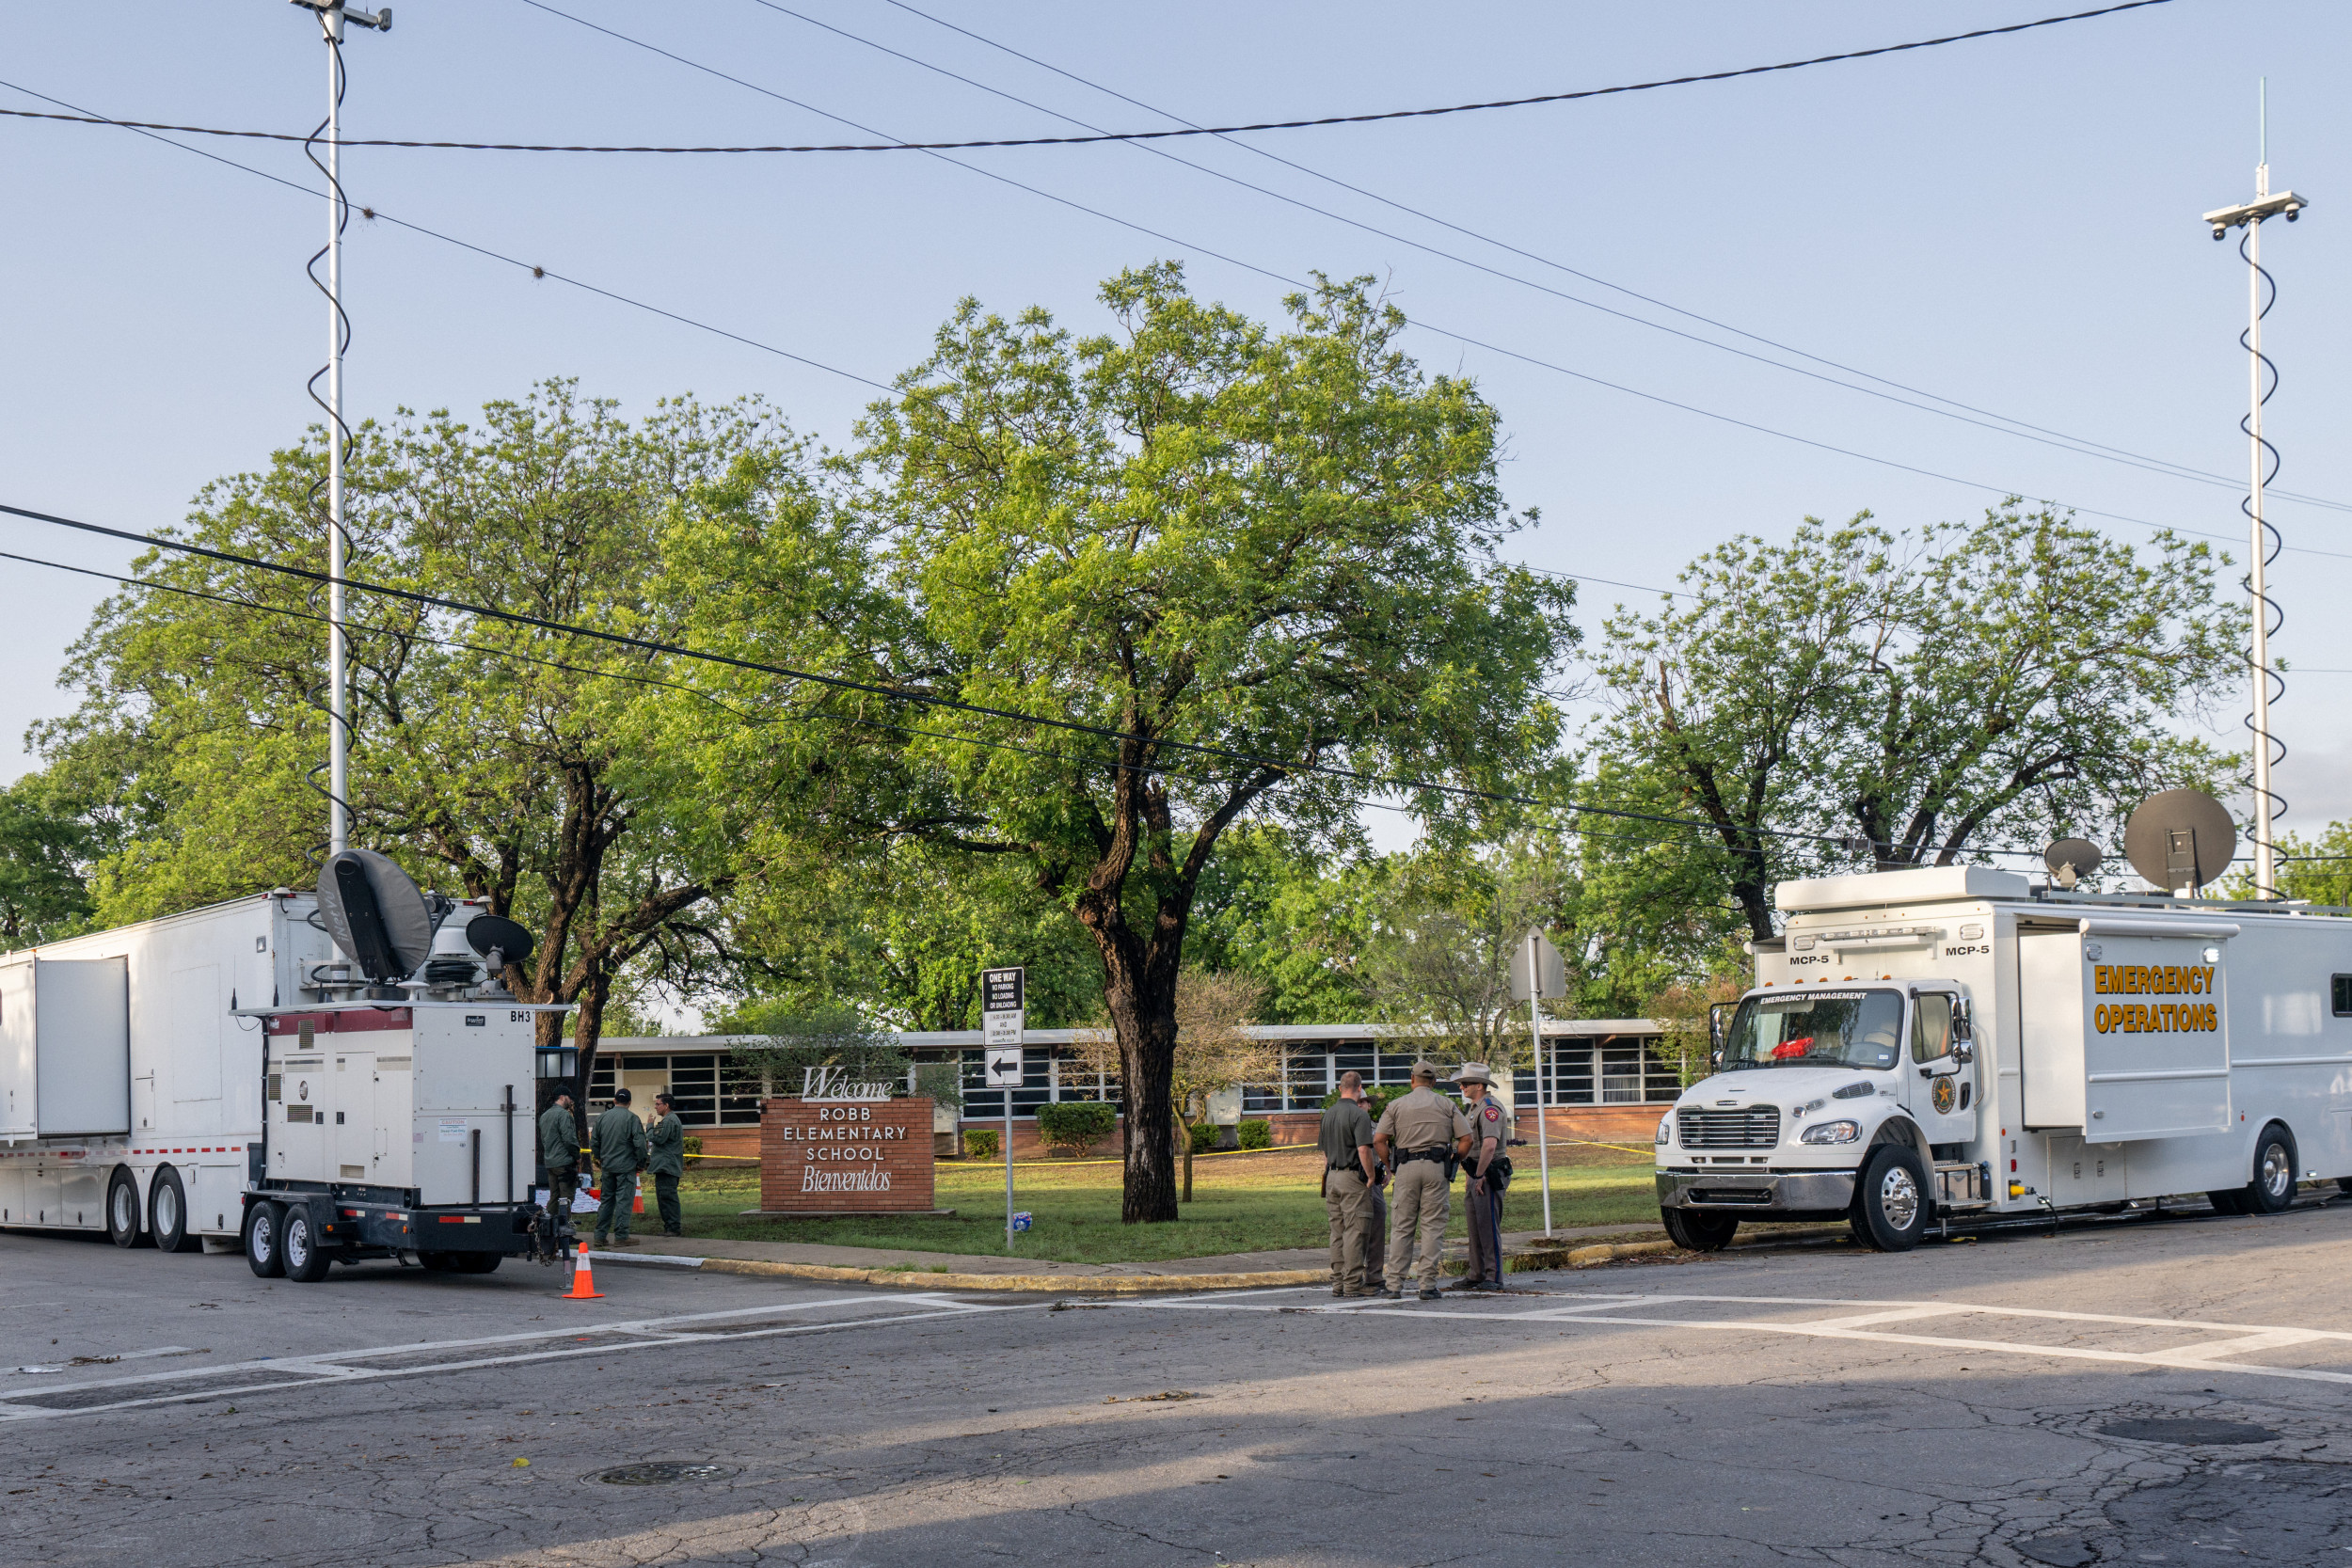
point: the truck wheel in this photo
(1698, 1232)
(1890, 1202)
(307, 1262)
(475, 1263)
(168, 1214)
(264, 1226)
(438, 1263)
(2273, 1187)
(122, 1209)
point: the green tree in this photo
(46, 844)
(1929, 696)
(1191, 532)
(521, 764)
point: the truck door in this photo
(1942, 1087)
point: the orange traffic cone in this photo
(583, 1282)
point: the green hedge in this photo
(1258, 1133)
(1204, 1137)
(980, 1145)
(1075, 1127)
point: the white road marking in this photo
(1611, 1310)
(335, 1367)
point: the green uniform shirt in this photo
(666, 1143)
(559, 1138)
(620, 1141)
(1346, 1128)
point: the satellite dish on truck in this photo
(2180, 840)
(374, 913)
(2071, 860)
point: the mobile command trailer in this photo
(221, 1075)
(1936, 1046)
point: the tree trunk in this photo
(1183, 1134)
(1142, 1004)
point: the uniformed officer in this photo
(1490, 1135)
(559, 1150)
(620, 1145)
(1423, 1127)
(665, 1157)
(1346, 1138)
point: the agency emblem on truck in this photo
(1946, 1095)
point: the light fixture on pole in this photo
(331, 15)
(2264, 459)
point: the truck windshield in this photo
(1822, 1028)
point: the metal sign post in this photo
(1003, 1013)
(1538, 971)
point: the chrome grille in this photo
(1756, 1126)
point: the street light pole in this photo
(332, 14)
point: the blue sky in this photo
(2010, 223)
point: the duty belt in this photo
(1423, 1154)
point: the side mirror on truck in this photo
(1718, 1024)
(1963, 1031)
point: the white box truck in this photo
(230, 1075)
(1931, 1046)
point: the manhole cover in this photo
(662, 1472)
(2188, 1429)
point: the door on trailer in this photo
(356, 1157)
(1943, 1087)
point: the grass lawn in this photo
(1241, 1203)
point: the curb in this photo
(1114, 1284)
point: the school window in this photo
(2339, 992)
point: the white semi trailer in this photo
(1932, 1047)
(233, 1075)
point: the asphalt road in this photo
(2016, 1401)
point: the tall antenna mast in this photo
(2264, 461)
(332, 14)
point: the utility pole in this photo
(331, 15)
(2250, 216)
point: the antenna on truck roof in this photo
(2180, 839)
(2071, 860)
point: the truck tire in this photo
(1698, 1232)
(168, 1214)
(1890, 1202)
(307, 1261)
(122, 1209)
(264, 1229)
(2272, 1190)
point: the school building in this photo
(1604, 1079)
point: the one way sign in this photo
(1004, 1068)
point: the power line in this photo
(1162, 135)
(2082, 445)
(1424, 326)
(841, 683)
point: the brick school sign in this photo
(824, 1156)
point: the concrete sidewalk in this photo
(1283, 1266)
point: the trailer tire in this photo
(439, 1263)
(1698, 1232)
(307, 1261)
(475, 1263)
(264, 1231)
(1890, 1202)
(168, 1214)
(2272, 1189)
(122, 1209)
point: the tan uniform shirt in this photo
(1423, 1120)
(1487, 1121)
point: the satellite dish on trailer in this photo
(2071, 860)
(494, 933)
(374, 913)
(2181, 838)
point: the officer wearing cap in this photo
(1423, 1127)
(1490, 1134)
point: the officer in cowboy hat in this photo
(1486, 1165)
(1424, 1129)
